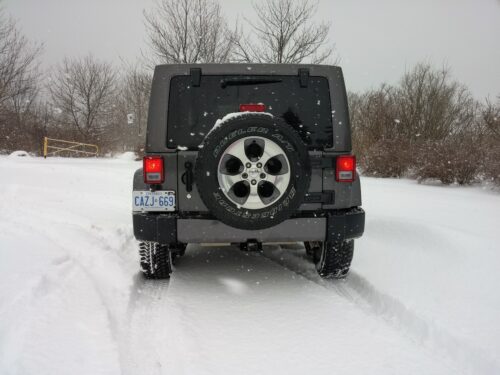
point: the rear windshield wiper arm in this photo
(238, 81)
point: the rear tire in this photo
(156, 260)
(333, 260)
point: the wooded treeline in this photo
(427, 126)
(89, 100)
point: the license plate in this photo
(153, 200)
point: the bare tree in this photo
(490, 116)
(431, 105)
(18, 83)
(136, 90)
(17, 61)
(127, 130)
(82, 91)
(426, 126)
(382, 148)
(285, 31)
(490, 122)
(188, 31)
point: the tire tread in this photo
(155, 260)
(336, 261)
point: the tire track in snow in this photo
(73, 258)
(359, 291)
(55, 284)
(155, 338)
(148, 335)
(143, 333)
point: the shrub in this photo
(456, 159)
(387, 158)
(490, 122)
(427, 126)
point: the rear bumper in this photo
(335, 225)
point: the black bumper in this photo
(335, 225)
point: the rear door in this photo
(194, 110)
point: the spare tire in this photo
(253, 171)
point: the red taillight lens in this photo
(153, 170)
(252, 107)
(346, 168)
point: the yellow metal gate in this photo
(53, 146)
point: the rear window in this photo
(194, 110)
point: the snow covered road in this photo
(422, 297)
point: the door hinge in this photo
(187, 177)
(195, 76)
(304, 77)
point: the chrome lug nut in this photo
(254, 182)
(248, 165)
(244, 175)
(259, 165)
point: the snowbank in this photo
(127, 156)
(19, 154)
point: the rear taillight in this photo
(153, 170)
(346, 168)
(252, 107)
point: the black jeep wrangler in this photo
(248, 154)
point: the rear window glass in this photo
(194, 110)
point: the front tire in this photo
(333, 260)
(156, 260)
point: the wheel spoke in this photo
(277, 165)
(239, 192)
(268, 192)
(271, 150)
(229, 180)
(253, 200)
(237, 149)
(254, 148)
(280, 182)
(253, 172)
(230, 165)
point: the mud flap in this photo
(345, 224)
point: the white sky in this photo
(377, 40)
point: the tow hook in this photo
(251, 245)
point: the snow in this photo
(421, 298)
(128, 156)
(19, 154)
(232, 115)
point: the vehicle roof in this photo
(240, 68)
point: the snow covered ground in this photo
(422, 298)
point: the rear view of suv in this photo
(248, 154)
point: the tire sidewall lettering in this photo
(221, 138)
(240, 133)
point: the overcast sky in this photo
(377, 40)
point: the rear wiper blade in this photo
(239, 81)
